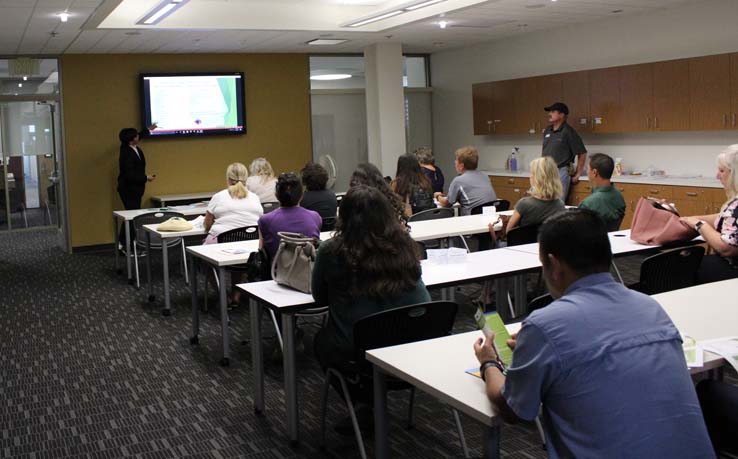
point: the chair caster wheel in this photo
(152, 298)
(166, 312)
(224, 362)
(195, 340)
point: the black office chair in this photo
(245, 233)
(329, 224)
(432, 214)
(613, 225)
(670, 270)
(139, 239)
(339, 198)
(422, 250)
(500, 204)
(396, 326)
(522, 235)
(269, 206)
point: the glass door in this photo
(29, 164)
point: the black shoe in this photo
(365, 418)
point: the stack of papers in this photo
(726, 348)
(446, 256)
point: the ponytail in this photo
(236, 174)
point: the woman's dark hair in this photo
(368, 174)
(314, 177)
(409, 177)
(288, 189)
(126, 135)
(381, 256)
(577, 237)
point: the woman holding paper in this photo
(720, 230)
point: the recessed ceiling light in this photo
(376, 18)
(331, 77)
(422, 4)
(64, 17)
(25, 78)
(326, 41)
(442, 24)
(161, 11)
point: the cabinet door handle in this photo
(691, 193)
(648, 122)
(655, 123)
(733, 119)
(592, 123)
(653, 191)
(510, 181)
(725, 120)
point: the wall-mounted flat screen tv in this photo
(193, 104)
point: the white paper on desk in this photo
(234, 251)
(198, 223)
(456, 255)
(727, 348)
(446, 256)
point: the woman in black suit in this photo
(132, 177)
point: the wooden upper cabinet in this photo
(734, 90)
(575, 94)
(503, 106)
(549, 89)
(709, 92)
(482, 108)
(671, 95)
(636, 98)
(604, 100)
(526, 97)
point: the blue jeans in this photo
(565, 182)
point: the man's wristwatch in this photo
(699, 225)
(490, 363)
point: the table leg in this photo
(165, 262)
(492, 442)
(501, 297)
(381, 423)
(225, 361)
(128, 251)
(194, 339)
(290, 376)
(116, 241)
(257, 355)
(148, 267)
(521, 294)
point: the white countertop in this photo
(676, 180)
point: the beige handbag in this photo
(293, 263)
(175, 224)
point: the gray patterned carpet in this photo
(90, 369)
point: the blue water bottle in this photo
(514, 160)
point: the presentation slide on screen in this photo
(194, 103)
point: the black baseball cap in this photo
(558, 107)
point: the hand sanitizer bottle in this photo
(514, 160)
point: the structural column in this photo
(385, 105)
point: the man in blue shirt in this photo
(605, 362)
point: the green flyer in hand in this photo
(492, 323)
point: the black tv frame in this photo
(145, 101)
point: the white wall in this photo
(692, 29)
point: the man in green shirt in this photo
(606, 201)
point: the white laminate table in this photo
(450, 227)
(703, 312)
(165, 198)
(126, 216)
(488, 264)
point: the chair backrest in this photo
(540, 302)
(671, 270)
(245, 233)
(422, 249)
(613, 225)
(151, 218)
(432, 214)
(522, 235)
(339, 198)
(405, 324)
(329, 223)
(269, 206)
(500, 204)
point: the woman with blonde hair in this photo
(262, 180)
(234, 207)
(720, 230)
(545, 195)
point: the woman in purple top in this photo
(429, 168)
(289, 217)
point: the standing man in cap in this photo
(562, 143)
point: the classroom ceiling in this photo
(33, 27)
